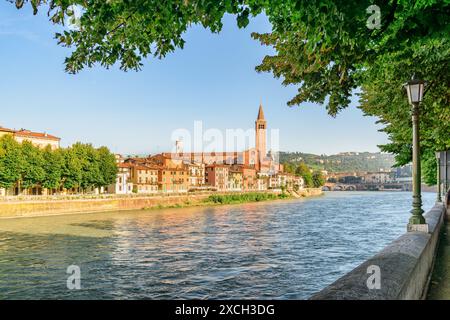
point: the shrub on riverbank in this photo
(244, 197)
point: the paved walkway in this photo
(440, 280)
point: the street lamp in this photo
(414, 89)
(438, 161)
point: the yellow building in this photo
(38, 139)
(5, 131)
(144, 179)
(235, 180)
(173, 180)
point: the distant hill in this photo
(342, 162)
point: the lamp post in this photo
(438, 161)
(414, 89)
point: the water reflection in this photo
(280, 250)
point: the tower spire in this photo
(261, 112)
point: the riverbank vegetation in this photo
(81, 166)
(342, 162)
(312, 179)
(244, 197)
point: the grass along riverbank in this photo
(245, 197)
(224, 199)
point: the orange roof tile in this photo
(141, 167)
(6, 129)
(28, 133)
(124, 165)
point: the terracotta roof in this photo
(124, 165)
(243, 166)
(218, 165)
(141, 167)
(173, 169)
(6, 129)
(28, 133)
(184, 155)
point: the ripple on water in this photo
(280, 250)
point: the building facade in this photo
(217, 176)
(256, 157)
(144, 179)
(5, 131)
(254, 169)
(378, 177)
(235, 180)
(173, 180)
(196, 172)
(249, 177)
(38, 139)
(123, 184)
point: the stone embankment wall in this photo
(57, 206)
(404, 266)
(308, 192)
(53, 207)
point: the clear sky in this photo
(212, 80)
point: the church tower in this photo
(261, 127)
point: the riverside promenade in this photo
(414, 266)
(440, 280)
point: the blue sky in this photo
(212, 80)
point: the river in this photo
(271, 250)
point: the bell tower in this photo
(260, 129)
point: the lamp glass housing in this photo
(414, 90)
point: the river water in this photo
(272, 250)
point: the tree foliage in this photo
(71, 169)
(342, 162)
(127, 31)
(107, 167)
(81, 166)
(10, 162)
(318, 179)
(304, 171)
(53, 168)
(381, 97)
(32, 166)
